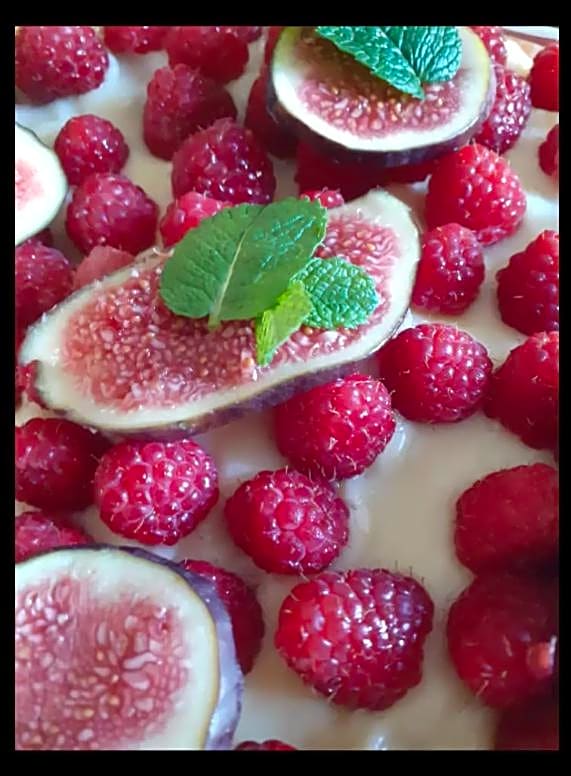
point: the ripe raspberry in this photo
(451, 270)
(326, 197)
(186, 213)
(247, 34)
(134, 40)
(274, 138)
(216, 51)
(494, 628)
(544, 79)
(534, 727)
(476, 188)
(528, 288)
(101, 261)
(316, 171)
(226, 162)
(288, 523)
(524, 391)
(111, 210)
(271, 745)
(55, 463)
(88, 144)
(494, 41)
(181, 101)
(509, 520)
(549, 153)
(38, 532)
(357, 637)
(273, 35)
(510, 112)
(436, 373)
(43, 278)
(56, 62)
(243, 608)
(336, 430)
(45, 237)
(155, 492)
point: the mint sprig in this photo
(404, 57)
(277, 324)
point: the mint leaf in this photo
(342, 294)
(235, 265)
(274, 326)
(405, 57)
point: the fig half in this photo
(335, 104)
(119, 649)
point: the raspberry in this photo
(510, 112)
(226, 162)
(524, 391)
(315, 171)
(88, 144)
(476, 188)
(38, 532)
(336, 430)
(55, 463)
(243, 608)
(101, 261)
(247, 34)
(450, 271)
(288, 523)
(134, 40)
(273, 35)
(549, 153)
(186, 213)
(544, 79)
(534, 727)
(111, 210)
(181, 101)
(494, 628)
(216, 51)
(271, 745)
(45, 237)
(326, 197)
(436, 373)
(43, 278)
(54, 62)
(509, 520)
(274, 138)
(528, 288)
(407, 173)
(494, 41)
(357, 636)
(155, 492)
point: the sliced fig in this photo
(335, 104)
(119, 649)
(112, 356)
(39, 182)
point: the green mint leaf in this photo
(405, 57)
(274, 326)
(342, 294)
(236, 264)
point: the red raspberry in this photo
(275, 139)
(87, 144)
(407, 173)
(528, 288)
(524, 391)
(273, 35)
(509, 114)
(134, 40)
(38, 532)
(288, 523)
(534, 727)
(494, 41)
(55, 463)
(436, 373)
(43, 278)
(271, 745)
(476, 188)
(544, 79)
(111, 210)
(243, 608)
(451, 270)
(326, 197)
(494, 629)
(509, 520)
(101, 261)
(315, 171)
(336, 430)
(226, 162)
(186, 213)
(45, 237)
(357, 637)
(216, 51)
(549, 153)
(155, 492)
(247, 34)
(56, 62)
(181, 101)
